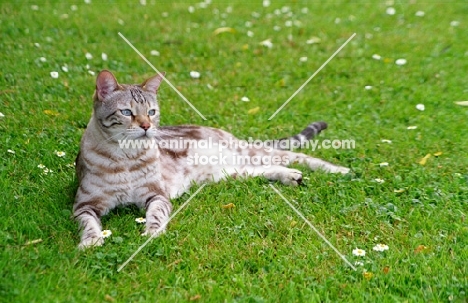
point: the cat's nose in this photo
(145, 125)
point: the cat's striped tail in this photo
(300, 140)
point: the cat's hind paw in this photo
(292, 177)
(340, 169)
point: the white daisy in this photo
(154, 53)
(60, 154)
(455, 23)
(2, 115)
(383, 164)
(41, 166)
(359, 252)
(368, 87)
(194, 74)
(419, 14)
(412, 127)
(140, 220)
(11, 151)
(104, 56)
(380, 247)
(386, 141)
(390, 11)
(420, 107)
(245, 99)
(54, 75)
(88, 56)
(106, 233)
(303, 59)
(42, 59)
(267, 43)
(376, 57)
(400, 62)
(65, 69)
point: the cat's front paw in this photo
(292, 177)
(91, 242)
(153, 232)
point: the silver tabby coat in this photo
(110, 175)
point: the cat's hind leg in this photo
(285, 175)
(311, 162)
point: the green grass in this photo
(259, 251)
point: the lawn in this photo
(256, 249)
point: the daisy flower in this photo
(386, 141)
(11, 151)
(54, 75)
(380, 247)
(419, 14)
(140, 220)
(245, 99)
(60, 154)
(106, 233)
(267, 43)
(359, 252)
(420, 107)
(41, 166)
(154, 53)
(383, 164)
(194, 74)
(412, 127)
(400, 62)
(88, 56)
(390, 11)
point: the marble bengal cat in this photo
(127, 157)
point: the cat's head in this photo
(126, 111)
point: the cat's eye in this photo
(151, 112)
(126, 112)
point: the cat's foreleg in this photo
(158, 211)
(90, 223)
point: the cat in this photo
(111, 173)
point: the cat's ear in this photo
(152, 84)
(106, 84)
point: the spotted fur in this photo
(111, 175)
